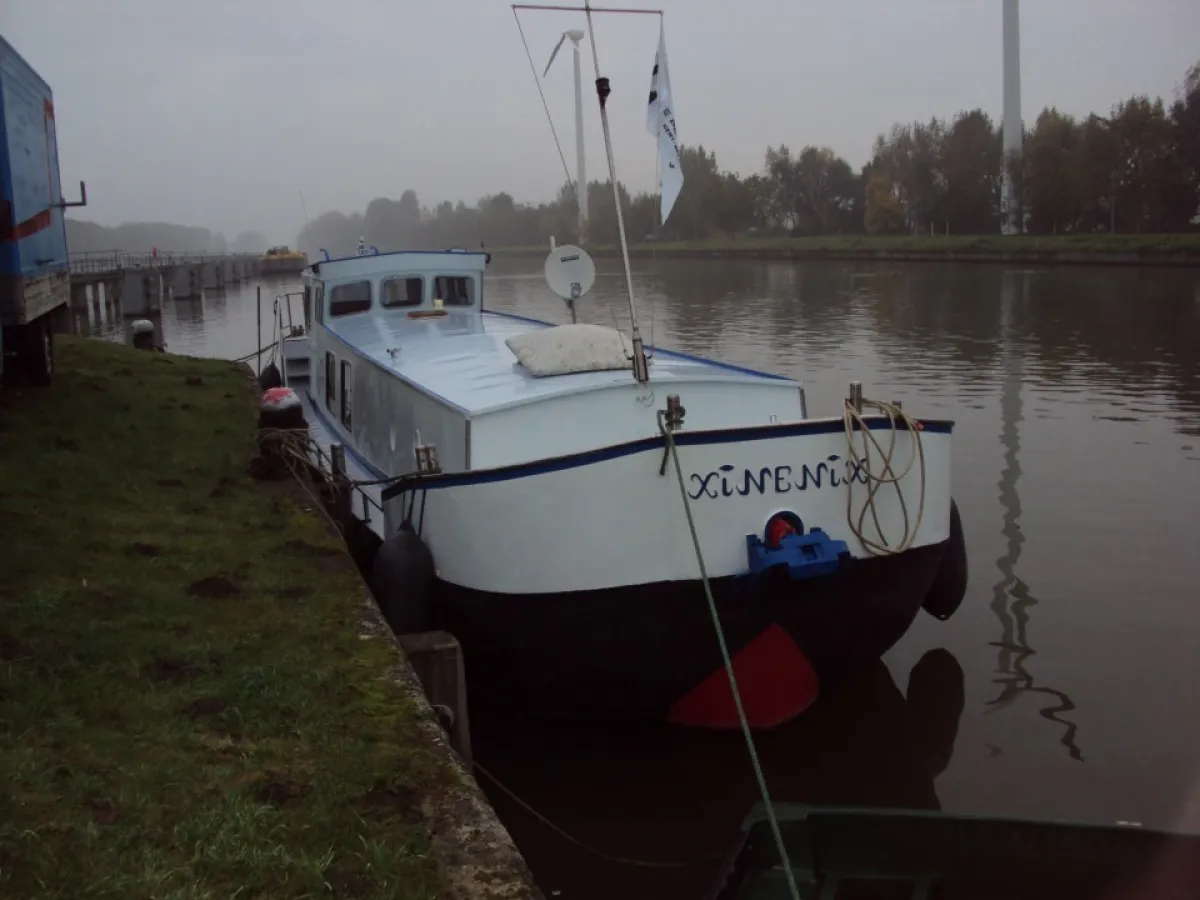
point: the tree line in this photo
(139, 237)
(1136, 170)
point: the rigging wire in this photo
(532, 68)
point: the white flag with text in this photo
(660, 122)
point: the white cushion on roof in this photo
(565, 349)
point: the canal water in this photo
(1068, 684)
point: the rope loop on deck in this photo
(877, 470)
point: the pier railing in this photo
(98, 261)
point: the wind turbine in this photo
(581, 190)
(1011, 214)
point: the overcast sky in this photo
(220, 112)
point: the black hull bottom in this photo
(632, 653)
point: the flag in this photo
(660, 122)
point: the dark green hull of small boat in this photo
(847, 853)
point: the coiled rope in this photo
(886, 474)
(733, 685)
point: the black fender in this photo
(950, 583)
(270, 377)
(402, 580)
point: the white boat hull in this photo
(608, 518)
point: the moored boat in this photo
(565, 501)
(531, 465)
(282, 261)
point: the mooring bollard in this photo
(437, 658)
(143, 334)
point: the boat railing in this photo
(286, 327)
(310, 463)
(330, 464)
(335, 473)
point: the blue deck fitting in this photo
(806, 556)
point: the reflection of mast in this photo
(1014, 616)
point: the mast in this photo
(641, 370)
(581, 185)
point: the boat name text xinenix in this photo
(722, 482)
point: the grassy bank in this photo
(187, 709)
(1170, 249)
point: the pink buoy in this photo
(279, 398)
(280, 407)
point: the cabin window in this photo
(405, 290)
(319, 297)
(347, 392)
(308, 291)
(350, 298)
(330, 381)
(454, 290)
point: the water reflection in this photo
(190, 311)
(1012, 600)
(665, 796)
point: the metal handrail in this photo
(90, 261)
(322, 456)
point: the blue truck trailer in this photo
(35, 272)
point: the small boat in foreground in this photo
(563, 499)
(850, 853)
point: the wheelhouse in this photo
(416, 284)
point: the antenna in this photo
(307, 223)
(654, 245)
(570, 273)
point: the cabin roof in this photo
(375, 264)
(462, 359)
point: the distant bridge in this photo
(139, 282)
(95, 265)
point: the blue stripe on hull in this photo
(683, 439)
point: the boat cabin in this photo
(402, 354)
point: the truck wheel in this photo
(37, 351)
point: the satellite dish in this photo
(570, 272)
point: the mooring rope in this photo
(249, 356)
(856, 422)
(622, 860)
(733, 685)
